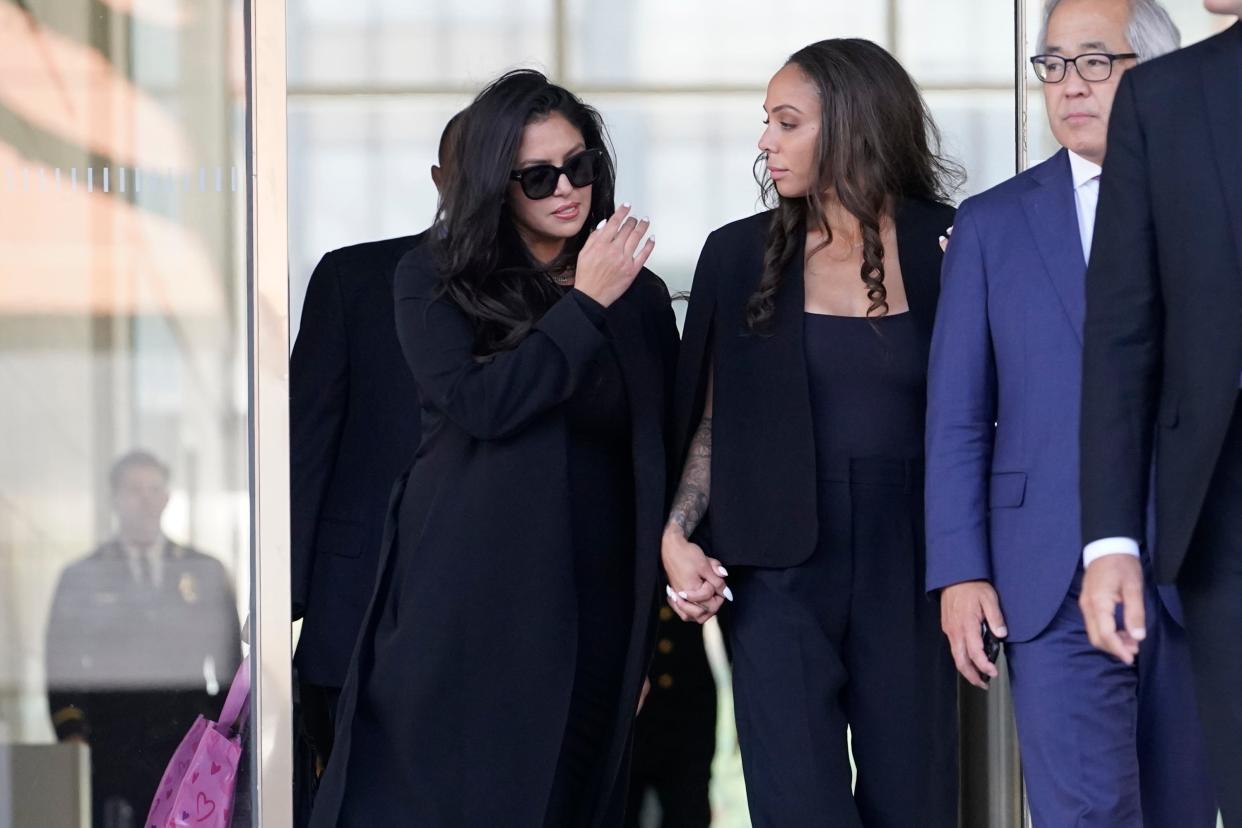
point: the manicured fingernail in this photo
(724, 573)
(1138, 634)
(600, 226)
(644, 220)
(625, 204)
(942, 238)
(1001, 632)
(671, 594)
(728, 594)
(651, 240)
(683, 595)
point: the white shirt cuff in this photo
(1108, 546)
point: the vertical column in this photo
(269, 407)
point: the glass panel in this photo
(704, 41)
(124, 498)
(959, 42)
(396, 42)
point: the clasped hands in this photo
(696, 583)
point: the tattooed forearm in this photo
(693, 493)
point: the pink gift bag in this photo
(197, 787)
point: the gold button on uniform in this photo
(665, 681)
(666, 614)
(665, 646)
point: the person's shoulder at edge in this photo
(752, 228)
(1170, 68)
(382, 247)
(1005, 195)
(651, 287)
(419, 271)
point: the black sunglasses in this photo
(540, 180)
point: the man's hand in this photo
(1111, 580)
(963, 608)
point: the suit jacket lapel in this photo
(1221, 72)
(1053, 218)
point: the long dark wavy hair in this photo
(877, 145)
(487, 269)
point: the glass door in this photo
(131, 468)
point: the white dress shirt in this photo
(1086, 177)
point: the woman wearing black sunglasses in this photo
(497, 674)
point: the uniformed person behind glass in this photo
(143, 637)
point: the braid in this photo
(778, 251)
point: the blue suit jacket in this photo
(1003, 398)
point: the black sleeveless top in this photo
(868, 384)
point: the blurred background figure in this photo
(675, 737)
(143, 637)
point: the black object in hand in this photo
(991, 644)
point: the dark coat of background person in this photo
(353, 426)
(126, 666)
(470, 710)
(1162, 358)
(763, 495)
(675, 737)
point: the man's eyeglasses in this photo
(1092, 67)
(539, 181)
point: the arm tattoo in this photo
(690, 504)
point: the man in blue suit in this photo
(1102, 743)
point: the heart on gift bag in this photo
(206, 807)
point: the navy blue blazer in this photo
(1003, 398)
(353, 427)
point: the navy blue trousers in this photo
(1105, 744)
(848, 638)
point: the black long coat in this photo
(455, 706)
(763, 492)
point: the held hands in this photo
(1111, 580)
(963, 609)
(611, 257)
(696, 587)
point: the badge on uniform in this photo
(188, 588)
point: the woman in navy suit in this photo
(498, 671)
(802, 389)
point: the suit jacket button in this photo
(665, 681)
(665, 646)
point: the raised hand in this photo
(611, 257)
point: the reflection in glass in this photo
(122, 325)
(141, 634)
